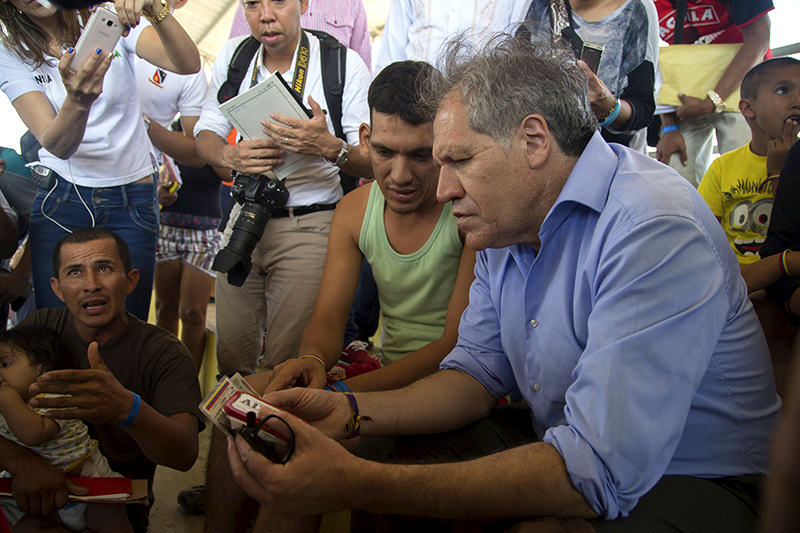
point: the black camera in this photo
(260, 197)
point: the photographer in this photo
(279, 292)
(95, 154)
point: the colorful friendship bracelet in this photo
(134, 412)
(784, 264)
(338, 386)
(354, 425)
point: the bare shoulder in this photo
(349, 213)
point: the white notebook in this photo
(246, 111)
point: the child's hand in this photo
(778, 148)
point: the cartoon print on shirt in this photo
(748, 209)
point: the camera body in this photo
(259, 197)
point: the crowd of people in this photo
(572, 331)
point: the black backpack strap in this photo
(680, 19)
(334, 69)
(237, 68)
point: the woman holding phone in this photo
(617, 41)
(88, 121)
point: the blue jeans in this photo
(130, 211)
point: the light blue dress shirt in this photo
(630, 334)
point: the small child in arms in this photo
(25, 353)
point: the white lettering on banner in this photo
(699, 15)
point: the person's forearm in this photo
(13, 456)
(444, 401)
(357, 164)
(64, 134)
(210, 147)
(762, 273)
(323, 338)
(754, 46)
(179, 450)
(405, 371)
(181, 50)
(523, 482)
(30, 428)
(175, 144)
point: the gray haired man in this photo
(605, 294)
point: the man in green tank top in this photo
(417, 254)
(421, 267)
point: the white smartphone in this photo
(102, 31)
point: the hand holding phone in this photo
(271, 435)
(591, 54)
(101, 33)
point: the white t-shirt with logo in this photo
(164, 94)
(115, 149)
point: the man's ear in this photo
(303, 6)
(133, 279)
(746, 108)
(56, 287)
(364, 134)
(534, 134)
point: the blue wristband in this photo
(671, 127)
(611, 116)
(340, 386)
(137, 403)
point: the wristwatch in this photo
(341, 159)
(716, 99)
(161, 15)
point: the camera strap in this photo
(300, 68)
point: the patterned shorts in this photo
(194, 247)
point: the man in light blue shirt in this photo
(605, 294)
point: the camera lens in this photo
(110, 23)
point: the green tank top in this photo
(413, 289)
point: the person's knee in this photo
(193, 316)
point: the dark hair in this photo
(92, 234)
(510, 78)
(20, 35)
(42, 346)
(754, 77)
(395, 91)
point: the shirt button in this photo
(537, 387)
(534, 323)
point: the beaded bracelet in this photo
(316, 357)
(612, 116)
(133, 413)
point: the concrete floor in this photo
(166, 515)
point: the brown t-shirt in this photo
(146, 360)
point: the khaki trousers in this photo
(275, 302)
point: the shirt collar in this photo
(588, 184)
(262, 69)
(590, 180)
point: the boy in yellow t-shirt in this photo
(739, 186)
